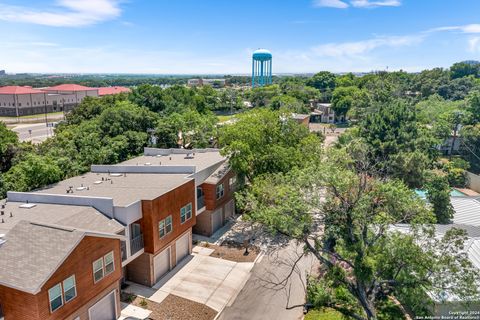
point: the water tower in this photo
(261, 68)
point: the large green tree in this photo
(325, 82)
(345, 219)
(399, 147)
(264, 141)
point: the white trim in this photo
(102, 268)
(106, 296)
(131, 258)
(74, 286)
(61, 296)
(105, 263)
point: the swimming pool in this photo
(454, 193)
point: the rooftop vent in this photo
(81, 188)
(28, 205)
(98, 181)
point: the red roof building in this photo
(111, 90)
(69, 88)
(18, 90)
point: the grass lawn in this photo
(324, 314)
(34, 116)
(225, 118)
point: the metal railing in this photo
(136, 244)
(200, 202)
(123, 250)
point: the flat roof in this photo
(124, 189)
(80, 217)
(201, 160)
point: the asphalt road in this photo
(261, 299)
(36, 133)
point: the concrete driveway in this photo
(201, 278)
(260, 299)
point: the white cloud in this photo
(65, 13)
(474, 44)
(361, 47)
(375, 4)
(468, 28)
(342, 4)
(330, 4)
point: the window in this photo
(186, 213)
(98, 270)
(109, 263)
(165, 226)
(55, 297)
(220, 191)
(103, 267)
(232, 182)
(69, 288)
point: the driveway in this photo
(201, 278)
(262, 299)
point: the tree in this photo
(323, 81)
(288, 103)
(346, 99)
(191, 129)
(265, 141)
(399, 147)
(31, 172)
(8, 143)
(364, 261)
(470, 147)
(464, 69)
(473, 107)
(438, 195)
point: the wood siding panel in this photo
(165, 205)
(209, 190)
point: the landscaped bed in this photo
(233, 251)
(174, 308)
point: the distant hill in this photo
(471, 62)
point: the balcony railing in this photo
(136, 244)
(200, 202)
(123, 250)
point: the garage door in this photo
(104, 309)
(161, 264)
(181, 247)
(229, 209)
(217, 220)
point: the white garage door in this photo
(217, 220)
(181, 247)
(104, 309)
(161, 264)
(229, 209)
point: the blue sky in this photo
(218, 36)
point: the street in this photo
(262, 299)
(35, 133)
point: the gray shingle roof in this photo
(33, 252)
(80, 217)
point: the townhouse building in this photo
(131, 221)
